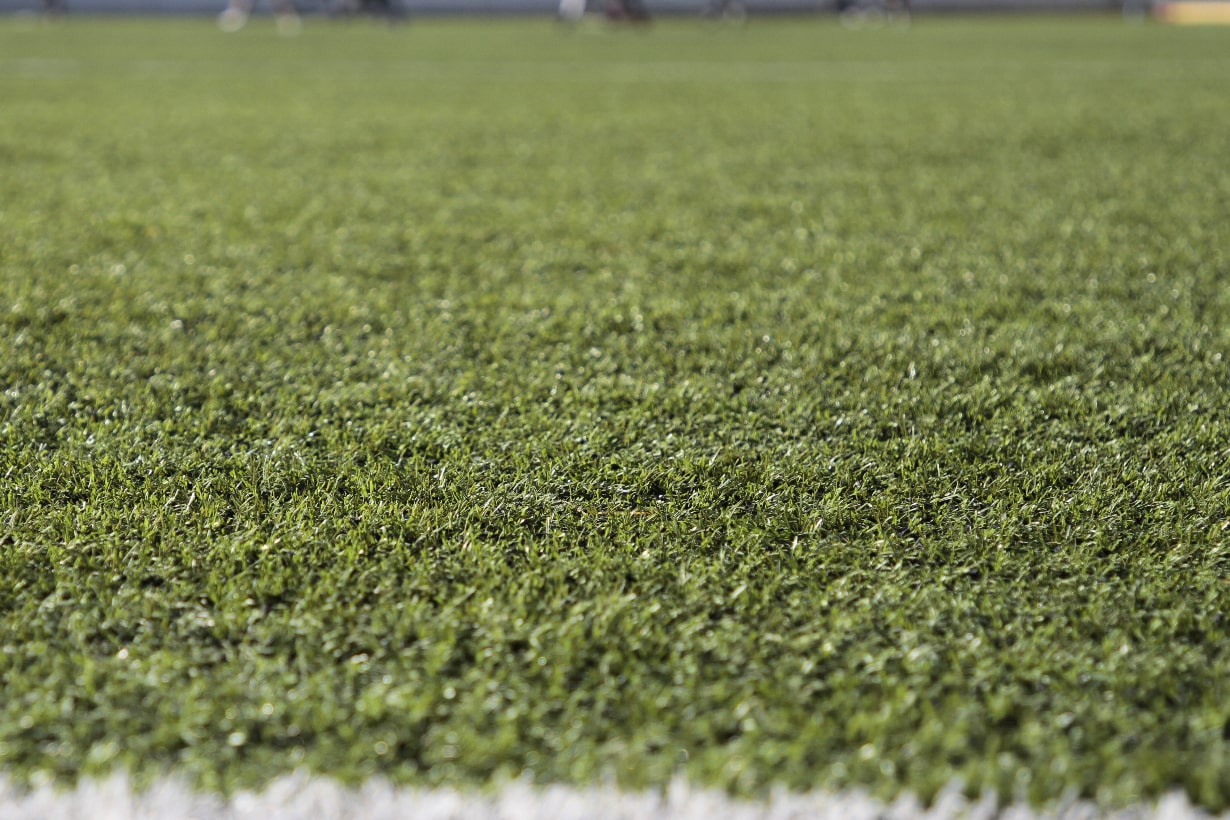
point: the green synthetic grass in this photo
(471, 400)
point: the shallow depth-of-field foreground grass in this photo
(476, 400)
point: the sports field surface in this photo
(466, 402)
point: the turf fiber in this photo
(782, 406)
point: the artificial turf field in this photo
(783, 406)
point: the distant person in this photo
(631, 11)
(237, 13)
(53, 9)
(732, 10)
(898, 11)
(571, 11)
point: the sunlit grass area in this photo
(462, 401)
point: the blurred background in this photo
(753, 7)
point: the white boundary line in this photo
(302, 797)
